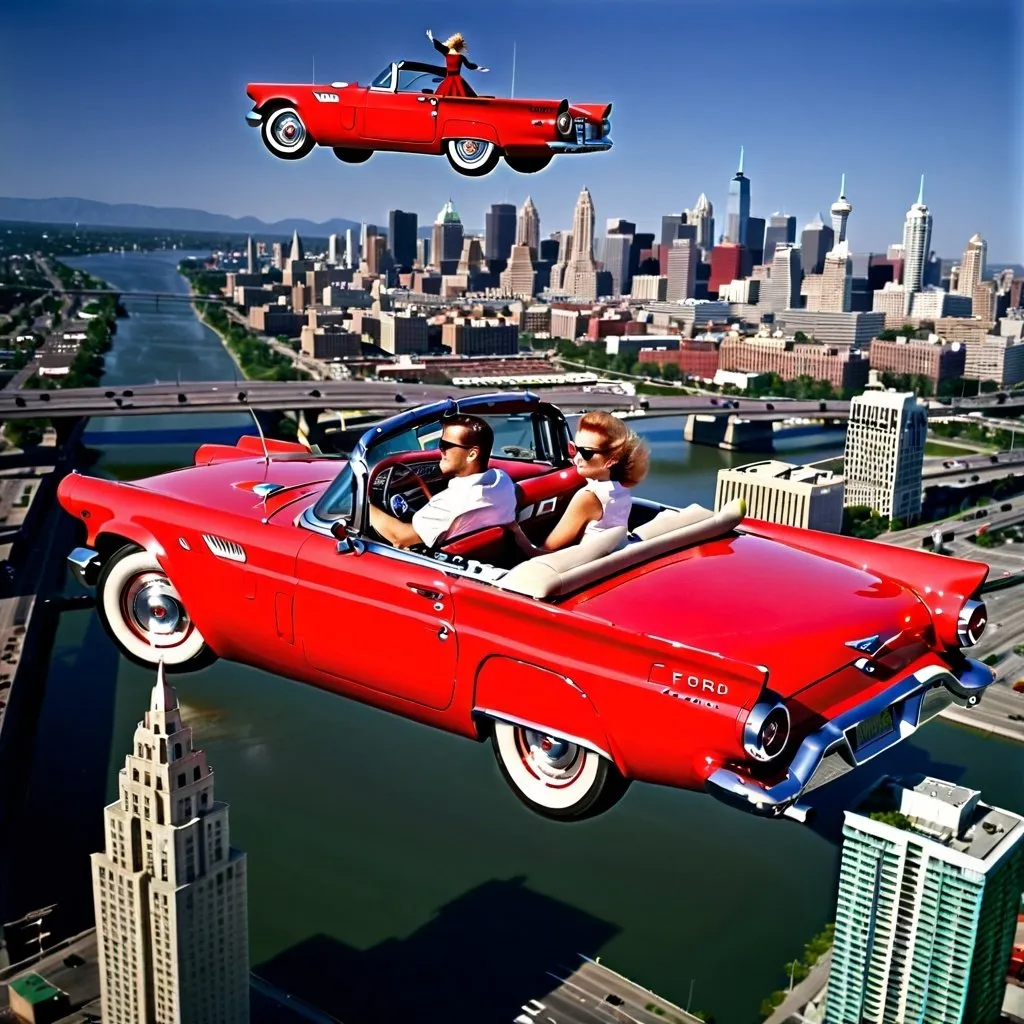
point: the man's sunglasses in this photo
(586, 454)
(445, 445)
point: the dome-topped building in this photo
(446, 237)
(448, 214)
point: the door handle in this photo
(442, 633)
(421, 99)
(430, 595)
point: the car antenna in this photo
(512, 92)
(266, 452)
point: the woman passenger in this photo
(612, 459)
(454, 51)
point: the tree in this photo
(671, 371)
(800, 336)
(887, 335)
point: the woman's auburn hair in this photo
(455, 42)
(625, 445)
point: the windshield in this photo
(418, 81)
(383, 80)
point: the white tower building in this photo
(917, 242)
(169, 891)
(885, 453)
(841, 210)
(580, 277)
(528, 226)
(972, 265)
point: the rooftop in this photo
(779, 470)
(35, 989)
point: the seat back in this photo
(591, 561)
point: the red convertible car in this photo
(399, 112)
(705, 651)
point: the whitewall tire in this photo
(472, 157)
(555, 777)
(144, 614)
(285, 134)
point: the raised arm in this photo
(469, 64)
(438, 45)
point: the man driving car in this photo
(476, 495)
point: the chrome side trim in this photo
(584, 147)
(500, 716)
(906, 699)
(84, 564)
(265, 489)
(222, 548)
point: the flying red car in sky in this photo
(753, 661)
(400, 111)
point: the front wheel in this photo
(554, 777)
(528, 164)
(144, 614)
(285, 135)
(472, 157)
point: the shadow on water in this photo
(58, 825)
(845, 793)
(478, 959)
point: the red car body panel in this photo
(658, 667)
(365, 118)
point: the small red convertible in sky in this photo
(398, 112)
(709, 652)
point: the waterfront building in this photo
(783, 493)
(844, 368)
(480, 336)
(832, 328)
(694, 358)
(929, 889)
(884, 454)
(995, 357)
(169, 890)
(935, 359)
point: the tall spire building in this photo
(169, 891)
(528, 227)
(580, 278)
(738, 210)
(297, 252)
(917, 241)
(841, 210)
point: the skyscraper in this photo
(580, 278)
(781, 230)
(885, 453)
(836, 280)
(682, 269)
(297, 252)
(517, 279)
(250, 256)
(815, 240)
(929, 888)
(352, 253)
(917, 241)
(841, 210)
(704, 219)
(402, 228)
(738, 209)
(784, 286)
(613, 252)
(332, 250)
(500, 231)
(528, 227)
(446, 238)
(972, 265)
(169, 891)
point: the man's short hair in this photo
(476, 432)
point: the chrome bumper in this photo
(253, 120)
(597, 146)
(84, 564)
(830, 752)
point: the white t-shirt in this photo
(616, 502)
(483, 499)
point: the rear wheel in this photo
(554, 777)
(472, 157)
(352, 156)
(144, 613)
(285, 135)
(528, 164)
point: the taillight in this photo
(766, 731)
(971, 622)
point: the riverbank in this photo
(200, 315)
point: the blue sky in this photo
(144, 101)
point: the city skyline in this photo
(199, 153)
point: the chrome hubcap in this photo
(556, 762)
(154, 611)
(288, 131)
(471, 150)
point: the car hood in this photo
(760, 602)
(228, 486)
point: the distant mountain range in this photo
(89, 212)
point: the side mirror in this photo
(339, 530)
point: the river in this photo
(384, 854)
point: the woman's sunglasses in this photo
(586, 454)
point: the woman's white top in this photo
(616, 503)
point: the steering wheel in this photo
(400, 469)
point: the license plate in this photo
(871, 728)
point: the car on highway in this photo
(400, 112)
(701, 650)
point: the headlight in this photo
(971, 623)
(564, 123)
(766, 731)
